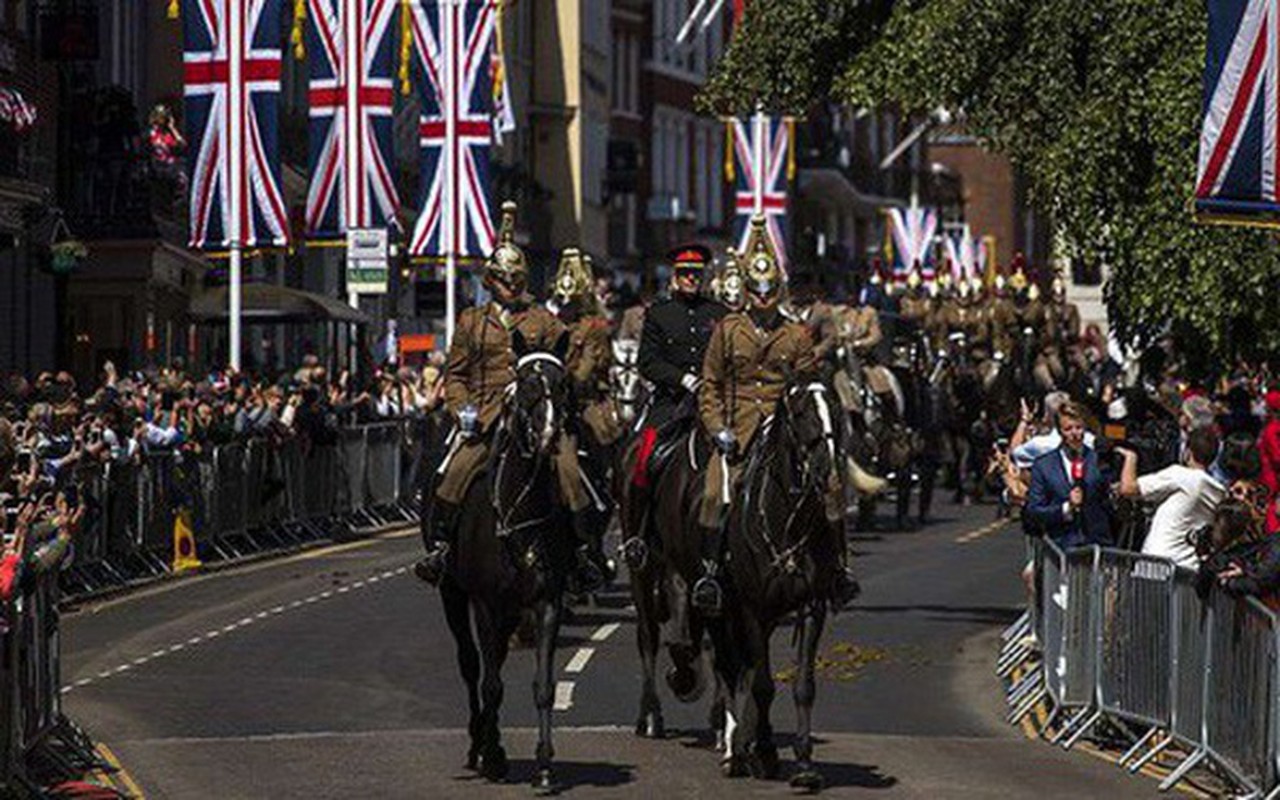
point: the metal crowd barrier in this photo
(39, 745)
(243, 499)
(1134, 639)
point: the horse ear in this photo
(561, 348)
(518, 343)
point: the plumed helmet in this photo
(573, 281)
(507, 263)
(730, 288)
(1058, 288)
(1018, 282)
(763, 276)
(913, 278)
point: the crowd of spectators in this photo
(1177, 472)
(49, 427)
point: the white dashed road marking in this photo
(244, 623)
(579, 661)
(605, 631)
(564, 696)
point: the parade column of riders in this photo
(718, 353)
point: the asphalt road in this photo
(332, 675)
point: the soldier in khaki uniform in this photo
(916, 302)
(480, 366)
(1003, 317)
(751, 356)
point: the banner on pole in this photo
(351, 48)
(452, 52)
(910, 233)
(1236, 178)
(762, 153)
(231, 85)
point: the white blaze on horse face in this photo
(819, 393)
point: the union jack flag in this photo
(352, 100)
(231, 78)
(911, 233)
(1238, 149)
(768, 172)
(451, 42)
(966, 254)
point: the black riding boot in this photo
(437, 540)
(592, 569)
(707, 596)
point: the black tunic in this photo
(672, 344)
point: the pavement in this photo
(331, 675)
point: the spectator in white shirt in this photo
(1187, 496)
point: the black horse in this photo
(659, 507)
(513, 553)
(782, 550)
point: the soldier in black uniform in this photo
(672, 344)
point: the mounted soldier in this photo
(752, 356)
(597, 426)
(672, 345)
(478, 371)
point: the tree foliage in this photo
(1097, 102)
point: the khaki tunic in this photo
(480, 365)
(915, 310)
(968, 319)
(589, 358)
(1004, 324)
(860, 328)
(744, 373)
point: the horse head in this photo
(806, 414)
(624, 376)
(537, 396)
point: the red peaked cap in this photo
(693, 256)
(1273, 401)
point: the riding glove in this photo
(467, 419)
(726, 442)
(690, 382)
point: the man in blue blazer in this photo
(1070, 498)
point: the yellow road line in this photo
(985, 530)
(130, 785)
(1150, 770)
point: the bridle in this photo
(514, 413)
(784, 557)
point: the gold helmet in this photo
(913, 278)
(1018, 282)
(730, 282)
(763, 276)
(573, 281)
(507, 264)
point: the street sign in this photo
(367, 267)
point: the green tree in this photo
(1097, 102)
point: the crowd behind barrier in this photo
(239, 500)
(1189, 670)
(235, 500)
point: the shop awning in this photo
(270, 304)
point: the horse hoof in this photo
(544, 785)
(494, 766)
(473, 761)
(807, 782)
(685, 683)
(651, 726)
(764, 764)
(734, 767)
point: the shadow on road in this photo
(860, 776)
(987, 615)
(572, 775)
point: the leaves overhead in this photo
(1097, 102)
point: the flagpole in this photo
(452, 219)
(235, 164)
(758, 190)
(351, 76)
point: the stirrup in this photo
(707, 597)
(432, 566)
(634, 551)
